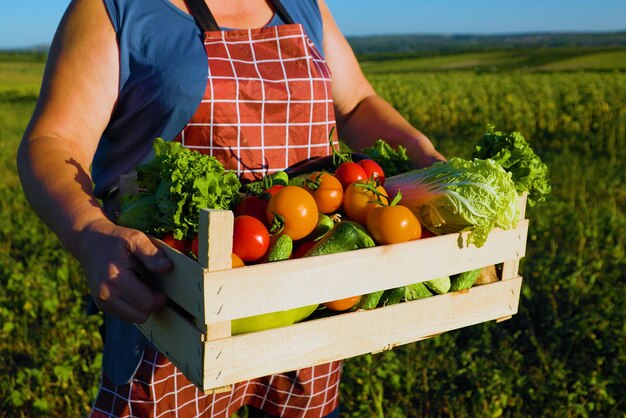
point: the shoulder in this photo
(307, 12)
(134, 15)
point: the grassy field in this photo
(562, 355)
(534, 60)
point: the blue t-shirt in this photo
(163, 73)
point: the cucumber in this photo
(440, 285)
(369, 301)
(345, 236)
(324, 224)
(392, 296)
(416, 291)
(464, 280)
(280, 249)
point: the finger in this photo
(129, 286)
(129, 307)
(155, 260)
(126, 311)
(113, 304)
(122, 283)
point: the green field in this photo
(562, 355)
(533, 60)
(608, 60)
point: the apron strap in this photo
(204, 18)
(282, 12)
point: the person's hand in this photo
(427, 160)
(422, 153)
(112, 258)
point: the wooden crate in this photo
(199, 341)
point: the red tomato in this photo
(250, 238)
(358, 202)
(181, 245)
(349, 172)
(342, 304)
(254, 206)
(426, 233)
(296, 209)
(372, 169)
(302, 249)
(392, 224)
(326, 190)
(194, 245)
(272, 190)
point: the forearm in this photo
(374, 118)
(58, 187)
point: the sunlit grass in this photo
(611, 60)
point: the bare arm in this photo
(363, 116)
(78, 94)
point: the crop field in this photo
(562, 355)
(531, 60)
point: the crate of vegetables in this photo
(341, 281)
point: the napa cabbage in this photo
(459, 195)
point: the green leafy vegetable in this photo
(174, 186)
(416, 291)
(516, 156)
(459, 195)
(392, 161)
(464, 280)
(439, 285)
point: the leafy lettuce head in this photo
(516, 156)
(174, 186)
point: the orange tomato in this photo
(236, 260)
(342, 304)
(326, 190)
(358, 201)
(296, 209)
(392, 224)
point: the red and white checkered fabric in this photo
(158, 389)
(268, 101)
(267, 105)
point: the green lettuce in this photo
(516, 156)
(392, 160)
(459, 195)
(174, 186)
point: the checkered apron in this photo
(267, 105)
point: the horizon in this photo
(45, 46)
(30, 24)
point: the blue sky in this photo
(25, 23)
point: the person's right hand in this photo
(113, 258)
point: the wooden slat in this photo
(214, 253)
(288, 284)
(347, 335)
(183, 283)
(179, 340)
(510, 268)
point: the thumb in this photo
(151, 256)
